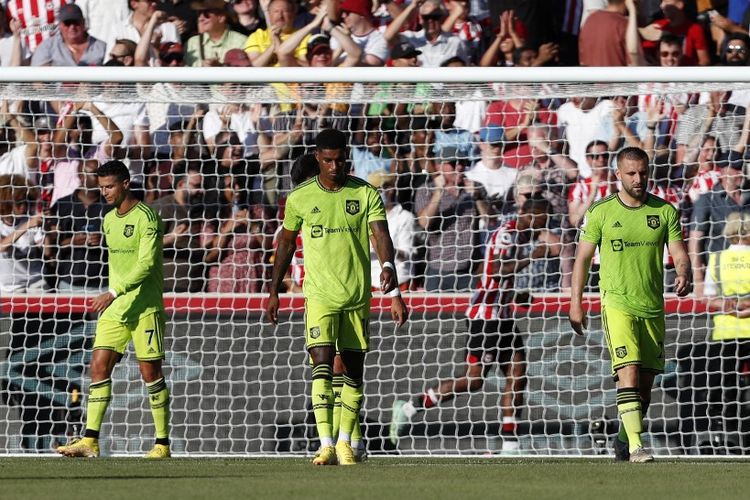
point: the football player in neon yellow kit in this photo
(336, 212)
(132, 309)
(631, 228)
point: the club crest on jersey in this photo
(128, 231)
(653, 221)
(352, 207)
(316, 231)
(621, 351)
(617, 245)
(314, 332)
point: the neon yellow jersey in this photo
(631, 248)
(335, 229)
(136, 273)
(729, 272)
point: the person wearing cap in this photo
(71, 45)
(356, 17)
(261, 46)
(214, 37)
(404, 55)
(712, 209)
(436, 45)
(401, 227)
(490, 178)
(37, 19)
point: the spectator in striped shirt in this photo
(38, 19)
(493, 335)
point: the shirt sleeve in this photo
(292, 219)
(42, 55)
(375, 208)
(253, 44)
(149, 247)
(591, 227)
(674, 231)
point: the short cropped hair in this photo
(330, 139)
(114, 168)
(632, 153)
(304, 167)
(536, 203)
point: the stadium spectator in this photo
(38, 19)
(677, 22)
(610, 36)
(375, 154)
(414, 160)
(735, 50)
(492, 181)
(727, 287)
(500, 52)
(183, 213)
(717, 117)
(713, 208)
(460, 22)
(12, 52)
(21, 237)
(248, 17)
(514, 116)
(401, 227)
(261, 45)
(30, 148)
(135, 26)
(356, 17)
(445, 210)
(214, 37)
(123, 51)
(493, 335)
(71, 45)
(181, 14)
(104, 17)
(448, 135)
(435, 45)
(670, 50)
(79, 256)
(584, 120)
(320, 52)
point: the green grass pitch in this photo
(378, 478)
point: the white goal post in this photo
(219, 143)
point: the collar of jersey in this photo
(321, 186)
(126, 213)
(648, 195)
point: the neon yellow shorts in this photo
(147, 334)
(347, 330)
(633, 340)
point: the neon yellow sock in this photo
(351, 400)
(158, 398)
(100, 393)
(338, 383)
(629, 409)
(322, 397)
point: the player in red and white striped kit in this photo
(38, 19)
(493, 337)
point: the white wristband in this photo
(396, 292)
(113, 293)
(388, 265)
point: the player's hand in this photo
(272, 309)
(399, 311)
(682, 286)
(100, 303)
(388, 280)
(577, 319)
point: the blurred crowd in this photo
(450, 172)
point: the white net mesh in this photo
(215, 161)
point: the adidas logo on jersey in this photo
(315, 210)
(617, 224)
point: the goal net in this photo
(215, 158)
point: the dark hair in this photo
(671, 39)
(454, 59)
(596, 142)
(303, 168)
(114, 168)
(518, 52)
(330, 139)
(738, 36)
(632, 153)
(536, 203)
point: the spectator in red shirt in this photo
(695, 47)
(514, 116)
(609, 37)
